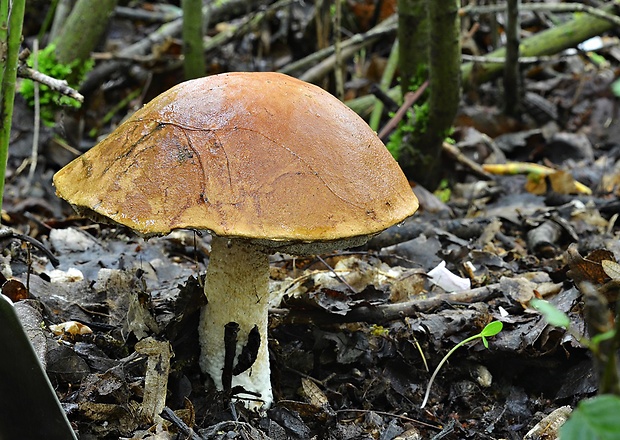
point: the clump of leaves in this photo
(50, 100)
(491, 329)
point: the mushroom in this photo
(266, 163)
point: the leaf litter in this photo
(355, 336)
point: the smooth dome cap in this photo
(261, 156)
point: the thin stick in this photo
(58, 85)
(410, 99)
(338, 75)
(34, 156)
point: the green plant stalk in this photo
(48, 20)
(386, 81)
(9, 78)
(491, 329)
(4, 34)
(194, 65)
(512, 72)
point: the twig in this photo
(60, 86)
(580, 28)
(336, 274)
(213, 11)
(410, 99)
(339, 65)
(162, 13)
(170, 415)
(387, 414)
(37, 116)
(458, 156)
(248, 24)
(391, 312)
(9, 233)
(316, 73)
(502, 60)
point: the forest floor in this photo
(358, 333)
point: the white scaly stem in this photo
(237, 290)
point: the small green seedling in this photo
(491, 329)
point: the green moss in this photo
(443, 192)
(414, 121)
(51, 100)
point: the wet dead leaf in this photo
(159, 354)
(589, 268)
(611, 268)
(15, 290)
(313, 393)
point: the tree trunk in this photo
(512, 71)
(413, 37)
(421, 152)
(83, 30)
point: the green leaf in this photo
(492, 328)
(553, 316)
(594, 419)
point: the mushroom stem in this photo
(237, 290)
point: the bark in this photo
(421, 153)
(512, 80)
(83, 30)
(413, 36)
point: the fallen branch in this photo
(58, 85)
(390, 312)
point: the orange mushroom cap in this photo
(261, 156)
